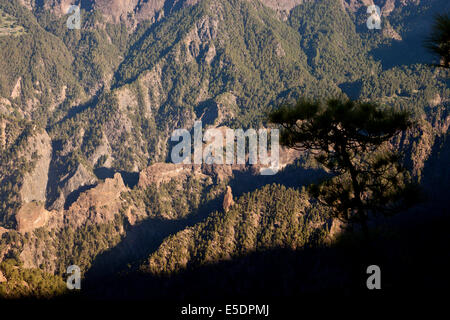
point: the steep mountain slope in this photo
(228, 63)
(84, 113)
(36, 68)
(25, 155)
(273, 217)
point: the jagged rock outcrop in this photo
(95, 206)
(336, 227)
(135, 11)
(115, 11)
(277, 218)
(31, 216)
(149, 97)
(99, 204)
(389, 32)
(282, 5)
(119, 10)
(70, 183)
(165, 172)
(228, 201)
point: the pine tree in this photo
(439, 40)
(350, 140)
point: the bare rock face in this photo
(228, 201)
(58, 7)
(389, 32)
(17, 90)
(336, 228)
(151, 9)
(135, 11)
(165, 172)
(99, 204)
(2, 278)
(82, 177)
(5, 106)
(35, 183)
(282, 5)
(115, 11)
(2, 134)
(31, 216)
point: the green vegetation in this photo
(28, 283)
(14, 165)
(110, 96)
(175, 199)
(439, 41)
(271, 217)
(80, 246)
(351, 141)
(251, 54)
(8, 26)
(328, 36)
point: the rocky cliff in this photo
(76, 104)
(34, 184)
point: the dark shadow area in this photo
(292, 176)
(71, 113)
(86, 5)
(406, 52)
(352, 89)
(80, 108)
(73, 196)
(171, 6)
(436, 177)
(130, 179)
(58, 169)
(142, 240)
(39, 3)
(414, 27)
(413, 258)
(207, 111)
(414, 261)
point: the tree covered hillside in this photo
(86, 117)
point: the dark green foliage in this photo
(14, 165)
(351, 140)
(320, 51)
(328, 36)
(157, 41)
(23, 283)
(40, 59)
(439, 41)
(405, 88)
(175, 199)
(271, 217)
(262, 61)
(82, 245)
